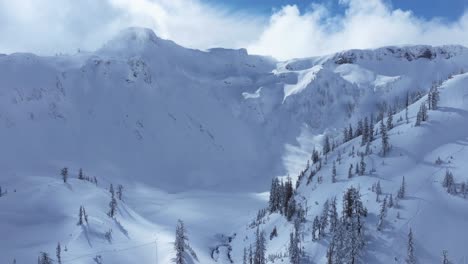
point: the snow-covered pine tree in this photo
(410, 257)
(119, 192)
(250, 255)
(445, 259)
(406, 108)
(80, 174)
(385, 139)
(350, 171)
(80, 216)
(275, 195)
(316, 228)
(260, 248)
(424, 116)
(44, 258)
(390, 201)
(390, 120)
(59, 253)
(64, 174)
(382, 214)
(181, 245)
(324, 217)
(111, 189)
(362, 166)
(350, 132)
(326, 145)
(365, 132)
(315, 156)
(294, 248)
(449, 182)
(360, 128)
(402, 191)
(112, 205)
(334, 172)
(371, 129)
(357, 170)
(333, 215)
(274, 233)
(345, 135)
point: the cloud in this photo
(364, 24)
(51, 26)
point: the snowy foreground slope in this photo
(198, 136)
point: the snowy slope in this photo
(198, 135)
(438, 219)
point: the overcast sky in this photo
(280, 28)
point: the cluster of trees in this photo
(364, 128)
(81, 176)
(256, 254)
(452, 187)
(348, 231)
(281, 198)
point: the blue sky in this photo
(448, 10)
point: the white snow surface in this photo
(198, 136)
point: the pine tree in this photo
(59, 254)
(112, 204)
(80, 174)
(371, 129)
(64, 173)
(181, 245)
(410, 257)
(390, 120)
(44, 258)
(350, 171)
(260, 248)
(326, 145)
(315, 156)
(333, 215)
(334, 173)
(324, 217)
(382, 214)
(275, 193)
(294, 250)
(357, 170)
(111, 189)
(390, 201)
(365, 132)
(350, 132)
(362, 167)
(406, 107)
(385, 140)
(402, 191)
(445, 257)
(449, 182)
(274, 233)
(345, 135)
(316, 228)
(119, 192)
(80, 216)
(250, 255)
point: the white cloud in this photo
(51, 26)
(365, 24)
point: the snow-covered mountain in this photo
(198, 135)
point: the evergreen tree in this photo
(119, 192)
(333, 215)
(250, 255)
(382, 214)
(390, 120)
(359, 129)
(390, 201)
(111, 189)
(357, 170)
(402, 191)
(350, 132)
(385, 140)
(445, 257)
(64, 173)
(324, 217)
(406, 107)
(371, 129)
(274, 233)
(362, 167)
(181, 245)
(294, 249)
(345, 135)
(112, 205)
(275, 195)
(449, 182)
(365, 132)
(44, 258)
(245, 257)
(80, 216)
(334, 173)
(326, 145)
(315, 156)
(260, 248)
(350, 171)
(80, 174)
(410, 257)
(59, 254)
(316, 228)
